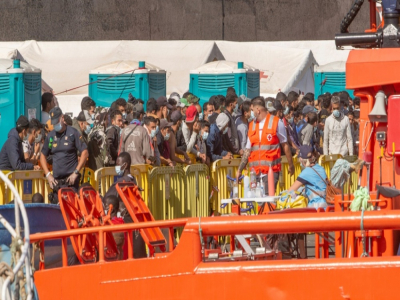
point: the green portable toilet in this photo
(20, 94)
(117, 79)
(330, 78)
(216, 77)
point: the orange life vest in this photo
(266, 152)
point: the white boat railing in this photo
(23, 243)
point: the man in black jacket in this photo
(12, 154)
(113, 134)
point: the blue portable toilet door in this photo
(33, 95)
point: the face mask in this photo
(124, 115)
(205, 136)
(209, 115)
(92, 115)
(200, 116)
(286, 111)
(157, 129)
(119, 171)
(153, 133)
(336, 113)
(315, 129)
(290, 120)
(168, 112)
(166, 137)
(26, 138)
(38, 139)
(87, 130)
(237, 107)
(225, 130)
(58, 127)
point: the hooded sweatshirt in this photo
(12, 154)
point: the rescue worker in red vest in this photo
(266, 135)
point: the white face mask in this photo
(225, 130)
(166, 137)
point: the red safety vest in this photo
(267, 152)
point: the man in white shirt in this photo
(337, 132)
(47, 104)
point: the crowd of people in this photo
(166, 131)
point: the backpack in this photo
(98, 135)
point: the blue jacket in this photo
(12, 154)
(214, 144)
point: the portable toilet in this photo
(216, 77)
(117, 79)
(20, 94)
(330, 78)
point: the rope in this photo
(364, 254)
(5, 272)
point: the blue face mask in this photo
(87, 130)
(153, 133)
(58, 127)
(336, 113)
(205, 136)
(286, 111)
(157, 129)
(291, 120)
(200, 116)
(166, 137)
(237, 107)
(119, 171)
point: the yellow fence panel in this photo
(27, 184)
(167, 194)
(142, 174)
(285, 179)
(219, 182)
(3, 189)
(191, 156)
(197, 190)
(88, 176)
(328, 161)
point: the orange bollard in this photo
(271, 183)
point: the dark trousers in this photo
(62, 183)
(265, 182)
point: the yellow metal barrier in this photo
(27, 184)
(142, 173)
(328, 161)
(88, 176)
(191, 156)
(285, 179)
(3, 189)
(197, 190)
(167, 194)
(219, 183)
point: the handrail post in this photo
(130, 244)
(101, 246)
(64, 252)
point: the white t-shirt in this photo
(27, 148)
(281, 132)
(45, 117)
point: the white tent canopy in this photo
(284, 66)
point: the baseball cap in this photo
(180, 104)
(176, 116)
(185, 102)
(162, 101)
(305, 151)
(242, 99)
(307, 109)
(22, 121)
(138, 107)
(270, 106)
(192, 99)
(55, 114)
(191, 114)
(164, 123)
(81, 117)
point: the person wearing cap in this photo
(303, 122)
(214, 147)
(192, 99)
(163, 108)
(337, 132)
(137, 114)
(47, 104)
(176, 120)
(64, 143)
(136, 140)
(267, 134)
(162, 143)
(230, 138)
(190, 130)
(82, 125)
(185, 106)
(12, 153)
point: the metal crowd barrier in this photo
(191, 156)
(27, 184)
(167, 194)
(285, 179)
(197, 186)
(328, 161)
(3, 190)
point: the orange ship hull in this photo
(183, 274)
